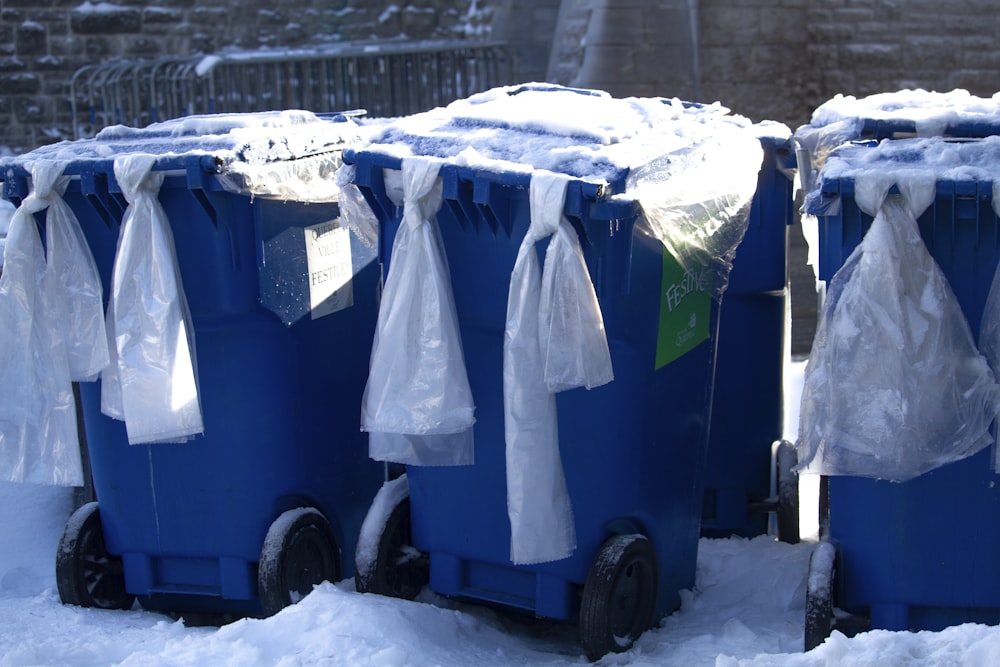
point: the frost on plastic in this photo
(417, 405)
(554, 340)
(151, 324)
(38, 430)
(895, 386)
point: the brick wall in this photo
(42, 43)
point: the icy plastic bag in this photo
(554, 340)
(417, 405)
(38, 429)
(154, 339)
(894, 386)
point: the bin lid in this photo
(585, 134)
(892, 115)
(289, 154)
(907, 163)
(913, 112)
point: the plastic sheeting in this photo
(357, 214)
(554, 340)
(696, 200)
(418, 406)
(38, 428)
(894, 386)
(149, 318)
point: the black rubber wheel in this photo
(619, 597)
(86, 574)
(819, 617)
(786, 458)
(399, 570)
(299, 552)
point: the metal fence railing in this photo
(385, 79)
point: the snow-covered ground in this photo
(746, 609)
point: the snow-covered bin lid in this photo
(585, 134)
(690, 166)
(893, 115)
(291, 155)
(905, 165)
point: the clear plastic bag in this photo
(894, 386)
(357, 215)
(696, 200)
(38, 429)
(154, 337)
(418, 406)
(554, 341)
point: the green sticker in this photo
(685, 308)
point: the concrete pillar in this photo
(628, 47)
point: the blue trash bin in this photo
(742, 478)
(916, 554)
(244, 518)
(633, 450)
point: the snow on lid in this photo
(931, 112)
(912, 166)
(906, 159)
(582, 133)
(289, 155)
(251, 137)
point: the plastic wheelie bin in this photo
(245, 514)
(580, 505)
(749, 475)
(910, 495)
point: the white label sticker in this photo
(328, 257)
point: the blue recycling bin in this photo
(919, 554)
(747, 409)
(632, 450)
(244, 518)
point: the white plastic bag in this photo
(154, 338)
(76, 288)
(989, 328)
(554, 340)
(418, 406)
(38, 428)
(894, 386)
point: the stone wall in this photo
(774, 59)
(42, 43)
(777, 59)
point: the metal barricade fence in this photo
(386, 79)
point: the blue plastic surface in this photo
(922, 554)
(633, 450)
(760, 262)
(280, 404)
(747, 406)
(879, 129)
